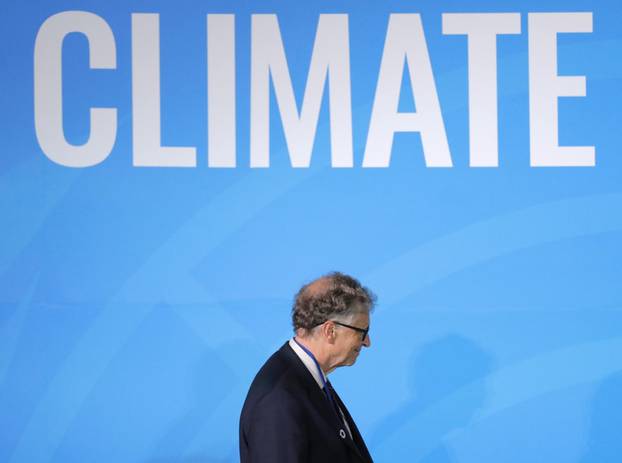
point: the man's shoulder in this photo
(281, 368)
(279, 377)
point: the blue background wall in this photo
(137, 303)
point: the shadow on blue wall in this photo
(446, 388)
(604, 442)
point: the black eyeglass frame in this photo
(364, 331)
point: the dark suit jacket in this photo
(287, 418)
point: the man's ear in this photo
(329, 332)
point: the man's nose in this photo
(367, 341)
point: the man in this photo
(291, 413)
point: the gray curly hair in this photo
(332, 296)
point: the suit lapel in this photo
(316, 395)
(322, 404)
(358, 444)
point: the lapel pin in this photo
(342, 433)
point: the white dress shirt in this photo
(316, 372)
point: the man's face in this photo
(348, 343)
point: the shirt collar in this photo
(308, 362)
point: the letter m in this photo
(330, 59)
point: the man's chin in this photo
(354, 357)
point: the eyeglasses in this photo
(363, 331)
